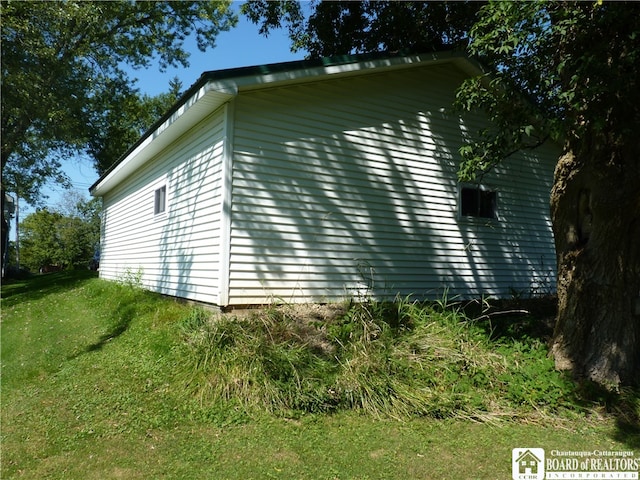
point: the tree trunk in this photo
(595, 209)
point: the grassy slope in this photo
(94, 386)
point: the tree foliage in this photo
(65, 237)
(344, 27)
(64, 82)
(558, 70)
(125, 120)
(39, 242)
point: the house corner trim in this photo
(225, 213)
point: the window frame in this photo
(480, 189)
(160, 193)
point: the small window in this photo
(160, 200)
(478, 202)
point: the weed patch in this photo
(263, 360)
(401, 359)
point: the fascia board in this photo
(216, 88)
(205, 100)
(315, 73)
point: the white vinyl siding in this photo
(177, 252)
(349, 185)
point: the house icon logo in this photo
(527, 463)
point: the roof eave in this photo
(186, 114)
(215, 88)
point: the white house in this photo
(313, 181)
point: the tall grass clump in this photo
(267, 360)
(402, 358)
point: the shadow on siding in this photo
(350, 187)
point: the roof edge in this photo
(215, 76)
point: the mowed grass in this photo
(100, 380)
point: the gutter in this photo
(226, 84)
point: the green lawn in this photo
(95, 384)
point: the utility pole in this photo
(17, 232)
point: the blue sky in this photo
(239, 47)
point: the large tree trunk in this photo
(595, 208)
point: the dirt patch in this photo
(303, 312)
(305, 324)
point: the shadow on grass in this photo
(628, 429)
(125, 315)
(531, 320)
(107, 337)
(624, 406)
(38, 286)
(518, 320)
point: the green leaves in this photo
(126, 117)
(66, 238)
(63, 77)
(345, 27)
(563, 71)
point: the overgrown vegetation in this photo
(401, 359)
(105, 380)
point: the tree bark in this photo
(595, 210)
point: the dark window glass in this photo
(477, 202)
